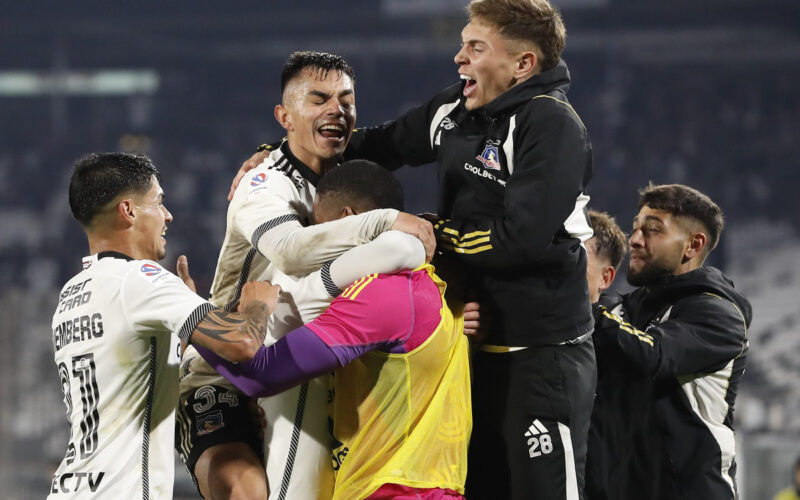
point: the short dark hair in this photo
(608, 239)
(534, 21)
(98, 178)
(683, 201)
(363, 184)
(321, 62)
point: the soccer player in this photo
(116, 335)
(514, 161)
(604, 253)
(268, 236)
(672, 359)
(401, 400)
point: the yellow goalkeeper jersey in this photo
(404, 417)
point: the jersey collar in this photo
(301, 167)
(89, 260)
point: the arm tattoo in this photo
(233, 327)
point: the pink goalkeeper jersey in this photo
(387, 312)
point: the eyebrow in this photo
(319, 93)
(649, 217)
(326, 96)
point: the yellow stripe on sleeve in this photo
(363, 285)
(467, 250)
(470, 243)
(353, 286)
(644, 337)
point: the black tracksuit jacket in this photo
(512, 175)
(669, 366)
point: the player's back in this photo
(118, 372)
(401, 413)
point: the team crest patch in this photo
(490, 156)
(209, 422)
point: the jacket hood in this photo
(556, 78)
(703, 280)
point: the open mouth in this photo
(469, 88)
(332, 131)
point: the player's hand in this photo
(257, 416)
(248, 165)
(183, 273)
(432, 218)
(259, 291)
(420, 228)
(472, 316)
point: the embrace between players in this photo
(353, 294)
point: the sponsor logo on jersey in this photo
(150, 269)
(74, 482)
(209, 423)
(480, 172)
(490, 156)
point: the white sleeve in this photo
(268, 217)
(390, 252)
(158, 301)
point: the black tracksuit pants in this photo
(531, 411)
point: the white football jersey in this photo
(268, 237)
(117, 352)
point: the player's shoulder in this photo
(276, 172)
(147, 273)
(552, 107)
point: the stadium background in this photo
(702, 92)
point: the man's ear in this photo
(526, 65)
(126, 212)
(282, 115)
(348, 210)
(695, 246)
(609, 273)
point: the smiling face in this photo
(489, 63)
(318, 112)
(151, 222)
(659, 245)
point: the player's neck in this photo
(101, 242)
(316, 163)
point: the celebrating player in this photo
(114, 335)
(672, 359)
(514, 161)
(268, 237)
(401, 399)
